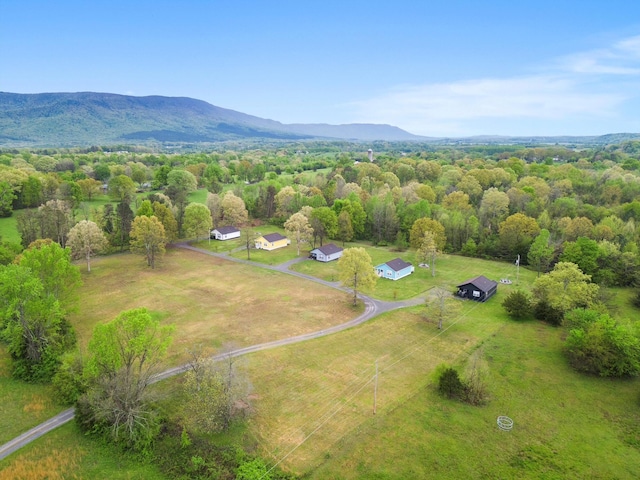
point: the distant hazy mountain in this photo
(82, 119)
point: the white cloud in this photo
(443, 109)
(585, 85)
(622, 58)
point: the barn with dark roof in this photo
(479, 289)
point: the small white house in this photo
(225, 233)
(326, 253)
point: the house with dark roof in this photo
(394, 269)
(326, 253)
(479, 289)
(225, 233)
(271, 241)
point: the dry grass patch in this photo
(210, 300)
(45, 462)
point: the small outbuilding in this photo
(479, 289)
(272, 241)
(225, 233)
(394, 269)
(326, 253)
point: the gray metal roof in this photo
(226, 230)
(398, 264)
(328, 249)
(482, 282)
(273, 237)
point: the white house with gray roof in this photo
(326, 253)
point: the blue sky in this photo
(452, 68)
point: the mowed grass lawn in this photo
(315, 404)
(211, 301)
(22, 405)
(451, 270)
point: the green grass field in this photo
(451, 270)
(314, 401)
(66, 453)
(22, 405)
(8, 230)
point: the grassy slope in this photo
(566, 425)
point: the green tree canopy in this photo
(566, 287)
(123, 356)
(356, 271)
(148, 238)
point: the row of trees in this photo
(489, 202)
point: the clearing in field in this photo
(211, 301)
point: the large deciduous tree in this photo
(123, 356)
(168, 220)
(180, 183)
(356, 271)
(516, 234)
(32, 324)
(148, 238)
(197, 221)
(493, 208)
(31, 316)
(345, 227)
(234, 211)
(428, 251)
(214, 204)
(324, 223)
(422, 225)
(298, 227)
(122, 189)
(52, 264)
(541, 252)
(440, 306)
(7, 196)
(55, 218)
(86, 240)
(564, 288)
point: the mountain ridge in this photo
(91, 118)
(71, 119)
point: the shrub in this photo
(600, 346)
(545, 312)
(517, 304)
(450, 385)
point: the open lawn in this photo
(22, 405)
(211, 301)
(451, 270)
(314, 401)
(273, 257)
(315, 404)
(566, 425)
(8, 230)
(66, 453)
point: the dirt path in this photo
(372, 309)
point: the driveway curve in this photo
(372, 309)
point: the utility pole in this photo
(375, 389)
